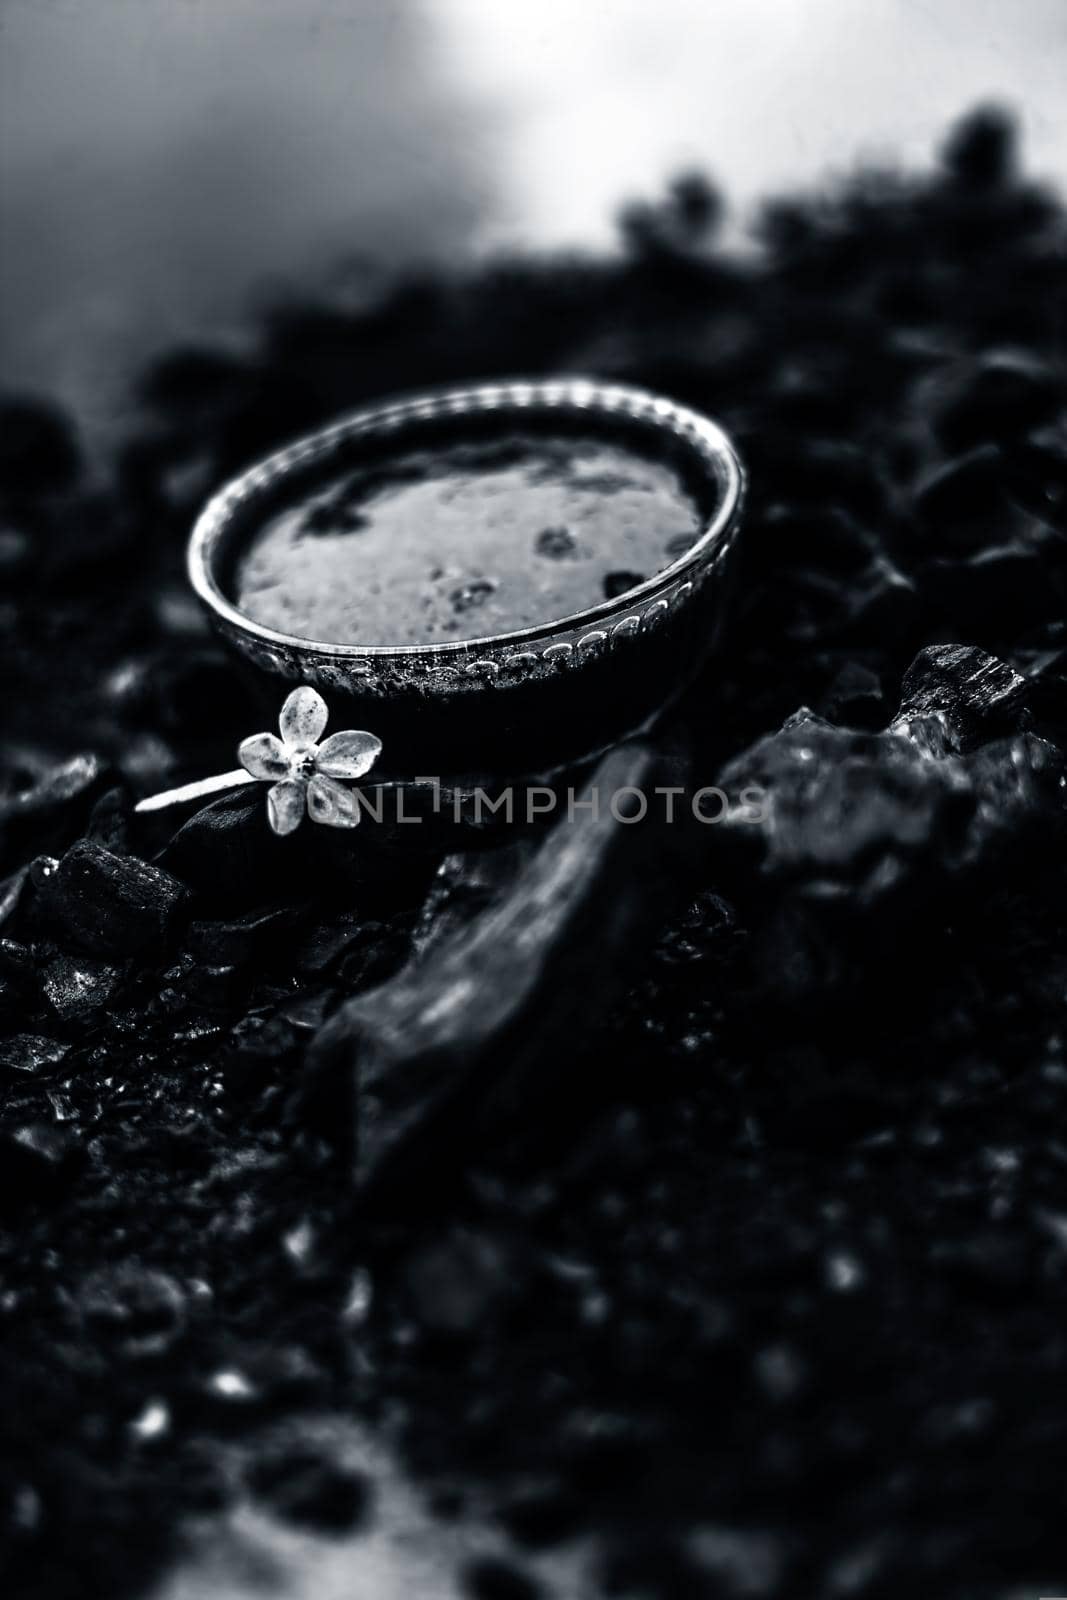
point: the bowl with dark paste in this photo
(503, 577)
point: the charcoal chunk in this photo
(14, 551)
(456, 1281)
(995, 593)
(114, 905)
(971, 695)
(238, 941)
(542, 1515)
(137, 1308)
(414, 1066)
(77, 989)
(845, 810)
(981, 149)
(30, 1053)
(855, 697)
(38, 1164)
(961, 501)
(307, 1487)
(1036, 474)
(999, 396)
(39, 453)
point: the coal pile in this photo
(762, 1291)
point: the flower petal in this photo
(264, 756)
(285, 805)
(349, 754)
(303, 719)
(332, 804)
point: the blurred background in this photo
(166, 165)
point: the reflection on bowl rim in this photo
(707, 444)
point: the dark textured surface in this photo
(772, 1300)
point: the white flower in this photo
(304, 773)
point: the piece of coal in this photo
(970, 695)
(418, 1063)
(981, 148)
(77, 988)
(1036, 474)
(466, 884)
(137, 1308)
(456, 1281)
(854, 813)
(308, 1488)
(961, 501)
(38, 1164)
(114, 905)
(995, 593)
(238, 941)
(997, 397)
(31, 1053)
(855, 697)
(40, 454)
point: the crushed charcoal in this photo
(751, 1281)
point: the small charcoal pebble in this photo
(76, 988)
(140, 1309)
(310, 1489)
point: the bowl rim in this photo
(707, 441)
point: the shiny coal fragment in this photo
(970, 695)
(115, 905)
(77, 988)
